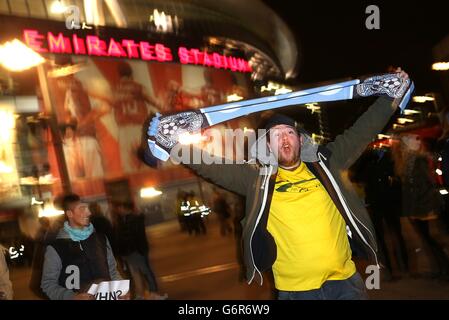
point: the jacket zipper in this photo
(341, 197)
(345, 206)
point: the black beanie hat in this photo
(278, 119)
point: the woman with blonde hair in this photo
(421, 201)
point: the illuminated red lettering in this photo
(163, 53)
(183, 54)
(197, 55)
(217, 60)
(95, 46)
(224, 62)
(58, 44)
(115, 49)
(146, 51)
(78, 45)
(241, 66)
(232, 63)
(248, 67)
(131, 48)
(207, 61)
(34, 40)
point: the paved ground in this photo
(205, 267)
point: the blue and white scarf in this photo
(164, 131)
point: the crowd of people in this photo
(304, 223)
(401, 182)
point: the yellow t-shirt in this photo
(310, 233)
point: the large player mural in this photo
(101, 105)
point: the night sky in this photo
(335, 43)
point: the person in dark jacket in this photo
(102, 224)
(132, 247)
(421, 200)
(383, 199)
(298, 219)
(221, 207)
(42, 240)
(77, 245)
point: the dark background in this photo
(334, 41)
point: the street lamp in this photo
(440, 66)
(149, 192)
(423, 99)
(57, 7)
(49, 211)
(404, 120)
(16, 56)
(191, 138)
(233, 97)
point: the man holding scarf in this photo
(303, 219)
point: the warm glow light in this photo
(282, 91)
(149, 192)
(160, 20)
(189, 138)
(439, 172)
(408, 112)
(422, 99)
(278, 88)
(404, 120)
(36, 202)
(4, 168)
(234, 97)
(49, 211)
(440, 66)
(57, 7)
(65, 71)
(47, 179)
(313, 107)
(16, 56)
(440, 159)
(6, 126)
(383, 136)
(443, 191)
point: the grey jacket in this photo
(5, 282)
(53, 267)
(329, 163)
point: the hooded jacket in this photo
(329, 163)
(64, 251)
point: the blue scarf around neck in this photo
(78, 234)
